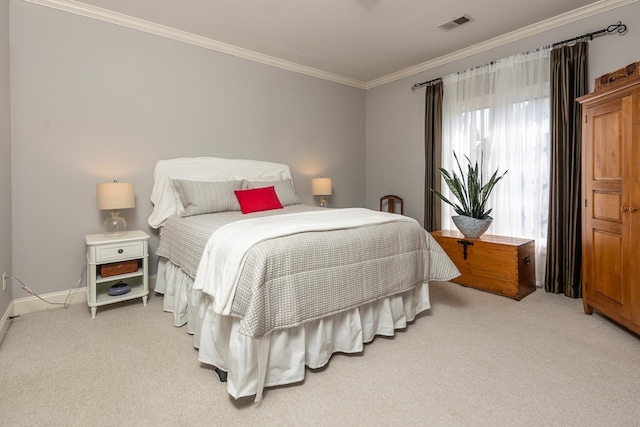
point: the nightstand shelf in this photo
(103, 250)
(100, 279)
(103, 298)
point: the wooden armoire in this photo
(611, 205)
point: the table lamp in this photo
(321, 187)
(113, 196)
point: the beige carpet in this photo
(474, 359)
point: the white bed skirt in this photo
(280, 357)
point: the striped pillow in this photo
(284, 190)
(203, 197)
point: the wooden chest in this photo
(502, 265)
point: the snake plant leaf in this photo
(472, 192)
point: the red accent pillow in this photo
(258, 199)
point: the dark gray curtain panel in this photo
(432, 154)
(564, 239)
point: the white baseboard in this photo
(5, 321)
(32, 304)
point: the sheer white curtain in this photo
(502, 110)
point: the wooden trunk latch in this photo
(464, 244)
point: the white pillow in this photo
(203, 197)
(284, 190)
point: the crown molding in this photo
(105, 15)
(548, 24)
(109, 16)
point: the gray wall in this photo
(92, 102)
(5, 155)
(395, 115)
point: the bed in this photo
(267, 291)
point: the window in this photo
(501, 113)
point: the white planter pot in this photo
(471, 228)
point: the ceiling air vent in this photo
(455, 22)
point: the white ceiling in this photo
(360, 41)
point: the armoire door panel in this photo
(607, 268)
(607, 146)
(606, 206)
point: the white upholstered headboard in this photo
(164, 197)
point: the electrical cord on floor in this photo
(65, 303)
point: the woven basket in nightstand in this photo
(115, 268)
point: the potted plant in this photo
(472, 193)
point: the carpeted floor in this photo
(474, 359)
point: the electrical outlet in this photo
(4, 281)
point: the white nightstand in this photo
(103, 250)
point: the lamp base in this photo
(115, 225)
(323, 203)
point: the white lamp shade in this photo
(321, 186)
(115, 195)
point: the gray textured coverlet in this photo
(293, 279)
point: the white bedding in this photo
(226, 250)
(280, 356)
(287, 352)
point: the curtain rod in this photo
(427, 83)
(619, 27)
